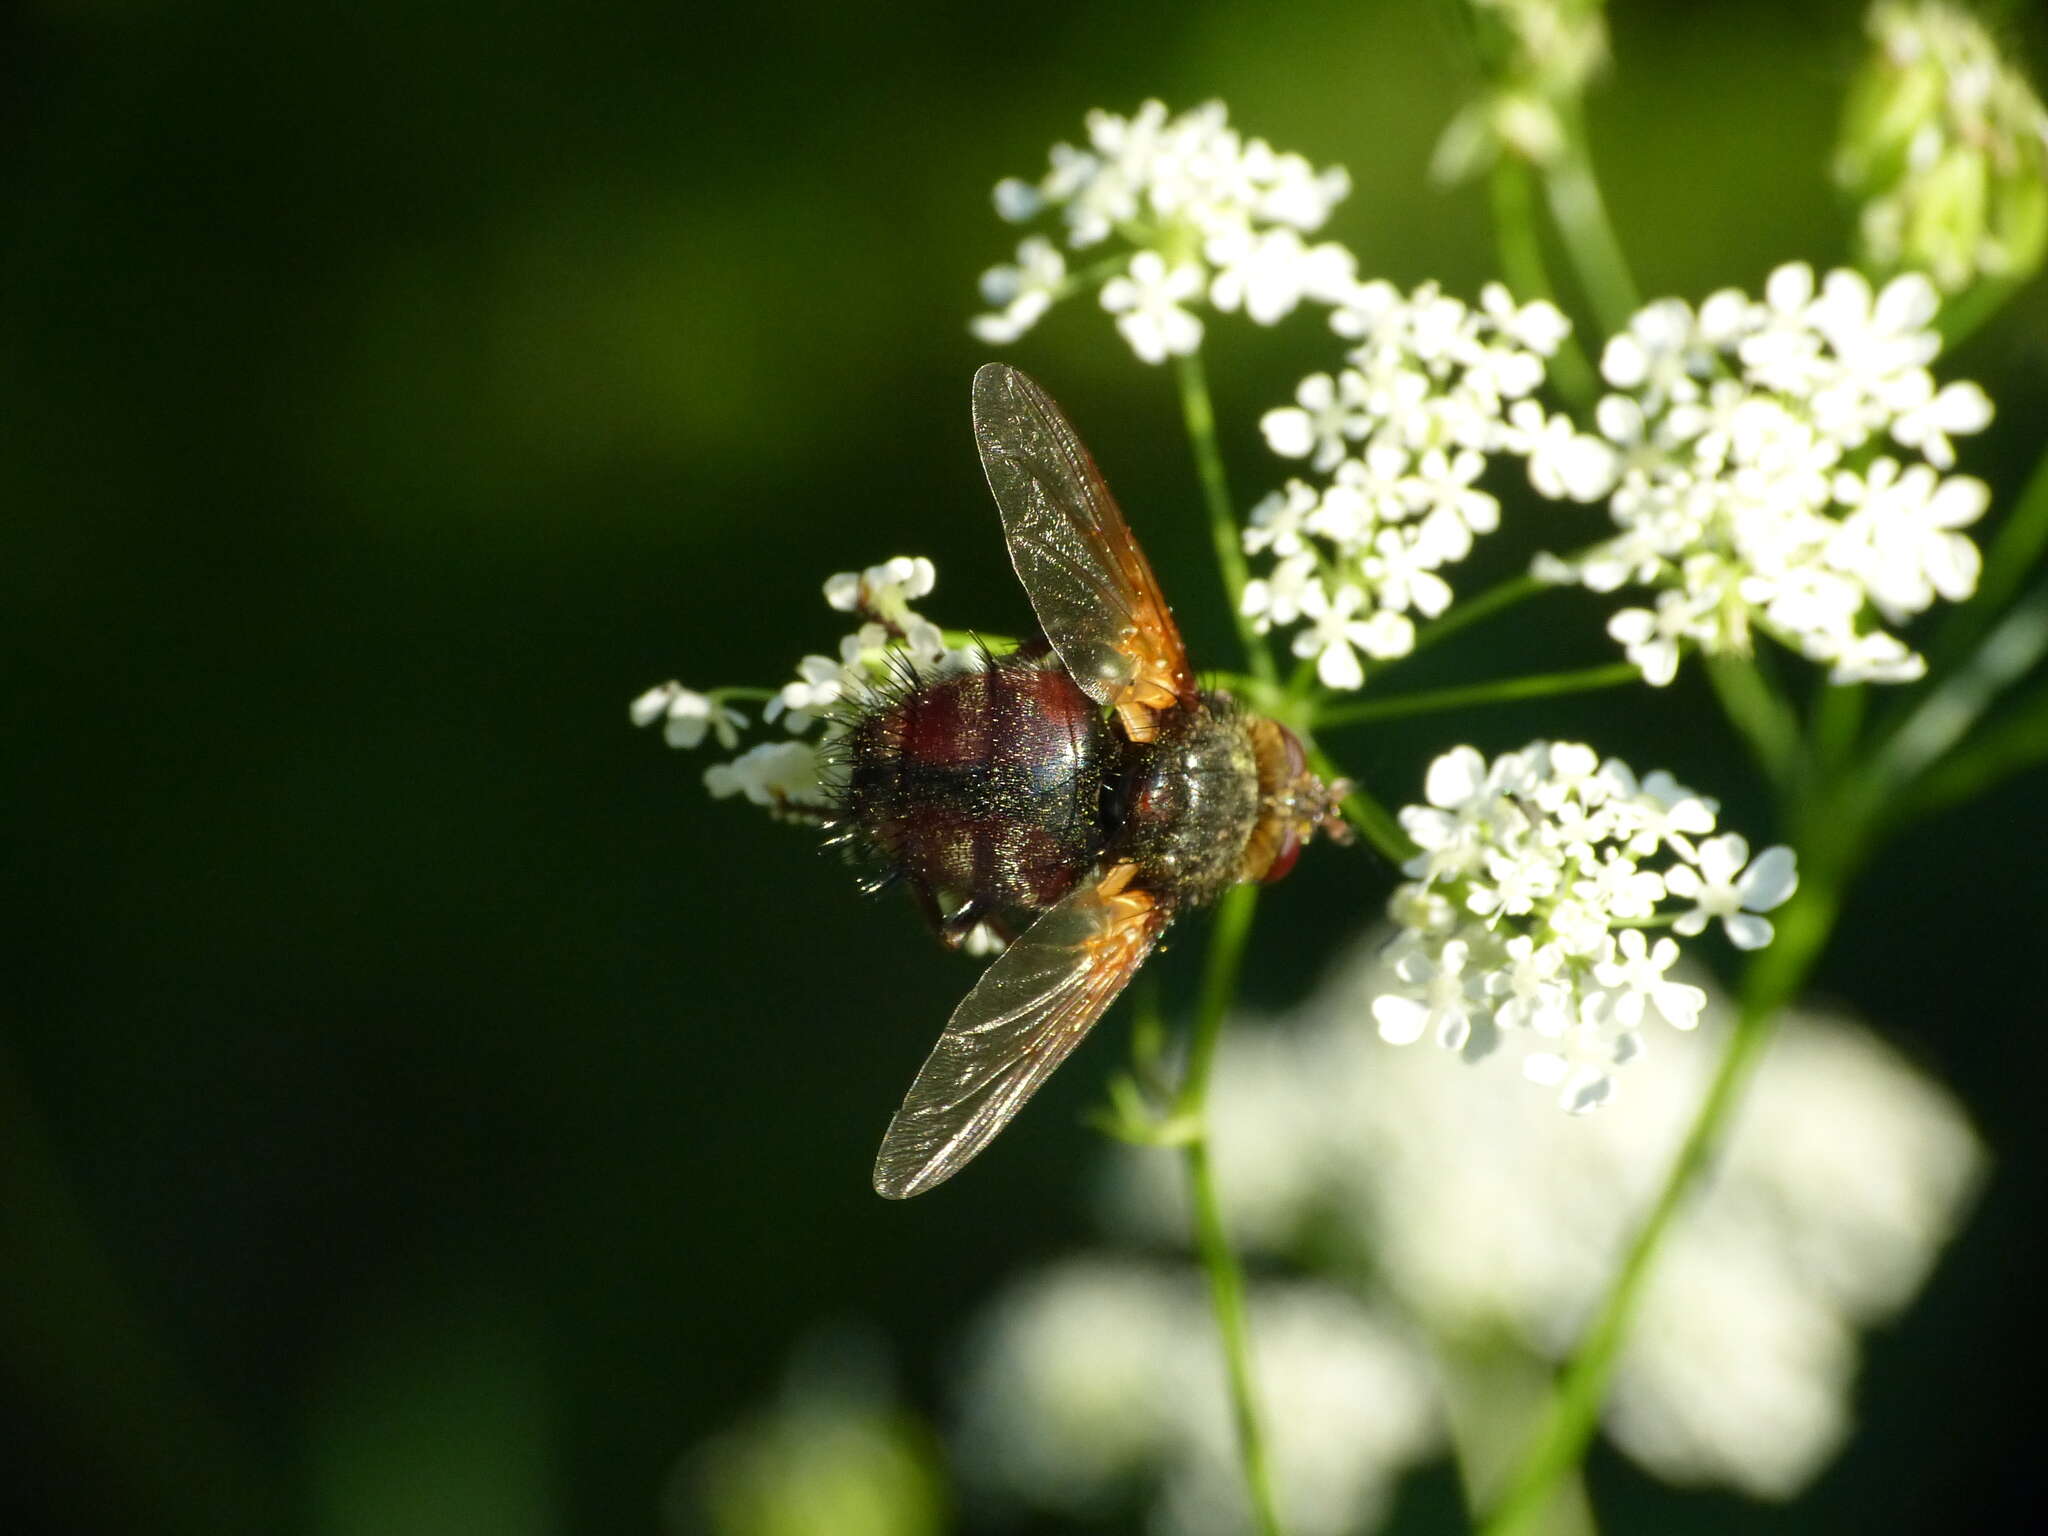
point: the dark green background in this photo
(408, 1081)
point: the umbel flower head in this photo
(1096, 1378)
(787, 776)
(1945, 146)
(1182, 211)
(1529, 913)
(1431, 390)
(1782, 465)
(1483, 1217)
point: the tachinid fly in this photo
(1072, 796)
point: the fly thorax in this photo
(1186, 801)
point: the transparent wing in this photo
(1090, 585)
(1030, 1008)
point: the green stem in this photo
(1494, 1391)
(1560, 1442)
(2008, 564)
(1521, 264)
(1588, 234)
(1226, 1276)
(1227, 941)
(1837, 724)
(1765, 720)
(1962, 318)
(1495, 598)
(2013, 743)
(1226, 1297)
(1364, 812)
(1541, 686)
(1200, 415)
(1941, 719)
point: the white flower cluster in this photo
(1098, 1376)
(1485, 1218)
(1946, 144)
(1432, 388)
(1526, 910)
(785, 775)
(1206, 213)
(1737, 482)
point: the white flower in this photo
(1900, 539)
(1565, 464)
(884, 591)
(1321, 426)
(1333, 633)
(820, 683)
(1147, 303)
(1540, 865)
(1661, 356)
(1267, 274)
(687, 715)
(1652, 638)
(1636, 974)
(1209, 215)
(1098, 1376)
(1721, 887)
(777, 774)
(1277, 522)
(1463, 1204)
(1439, 998)
(1399, 570)
(1021, 293)
(826, 693)
(1404, 431)
(1955, 410)
(1726, 477)
(1280, 598)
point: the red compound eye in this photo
(1283, 861)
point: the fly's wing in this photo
(1030, 1008)
(1090, 585)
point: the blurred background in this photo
(421, 1109)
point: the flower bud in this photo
(1945, 145)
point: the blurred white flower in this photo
(1484, 1216)
(1721, 886)
(1321, 425)
(1207, 215)
(1736, 472)
(1147, 303)
(1545, 858)
(782, 775)
(1099, 1378)
(687, 715)
(1022, 292)
(1074, 1379)
(882, 592)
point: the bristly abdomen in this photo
(981, 788)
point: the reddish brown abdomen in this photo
(984, 785)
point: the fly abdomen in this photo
(983, 785)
